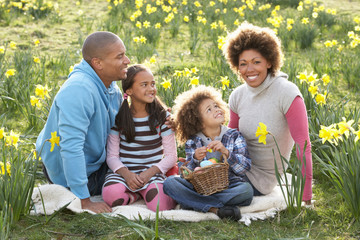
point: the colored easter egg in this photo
(205, 163)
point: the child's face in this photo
(143, 89)
(211, 114)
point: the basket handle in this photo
(184, 168)
(225, 158)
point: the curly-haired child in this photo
(199, 117)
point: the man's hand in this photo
(170, 121)
(96, 207)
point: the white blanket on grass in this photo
(49, 198)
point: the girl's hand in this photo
(149, 173)
(133, 180)
(200, 153)
(218, 146)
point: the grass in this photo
(61, 41)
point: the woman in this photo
(254, 54)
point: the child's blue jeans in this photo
(183, 192)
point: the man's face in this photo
(114, 63)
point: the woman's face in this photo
(253, 67)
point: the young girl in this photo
(199, 116)
(135, 150)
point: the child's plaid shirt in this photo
(239, 160)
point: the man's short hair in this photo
(96, 45)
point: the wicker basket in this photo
(209, 179)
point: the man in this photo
(82, 114)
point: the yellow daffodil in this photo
(12, 45)
(326, 133)
(35, 102)
(261, 132)
(186, 19)
(225, 82)
(5, 169)
(305, 21)
(152, 60)
(357, 28)
(138, 25)
(221, 41)
(300, 8)
(42, 91)
(211, 3)
(146, 24)
(177, 73)
(312, 77)
(357, 20)
(143, 39)
(351, 34)
(357, 134)
(10, 72)
(54, 140)
(36, 42)
(315, 14)
(194, 81)
(313, 90)
(166, 83)
(302, 76)
(328, 43)
(186, 72)
(326, 79)
(214, 25)
(136, 39)
(209, 150)
(158, 25)
(237, 22)
(2, 49)
(2, 133)
(12, 139)
(35, 154)
(71, 68)
(36, 59)
(197, 4)
(194, 70)
(184, 2)
(345, 127)
(320, 99)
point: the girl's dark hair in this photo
(156, 110)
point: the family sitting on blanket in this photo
(84, 111)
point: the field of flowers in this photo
(181, 41)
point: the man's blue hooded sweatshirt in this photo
(82, 114)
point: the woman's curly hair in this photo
(187, 116)
(261, 39)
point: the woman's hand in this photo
(200, 153)
(133, 180)
(218, 146)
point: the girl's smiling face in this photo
(253, 67)
(211, 114)
(143, 89)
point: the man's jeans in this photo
(183, 192)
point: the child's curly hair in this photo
(187, 117)
(261, 39)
